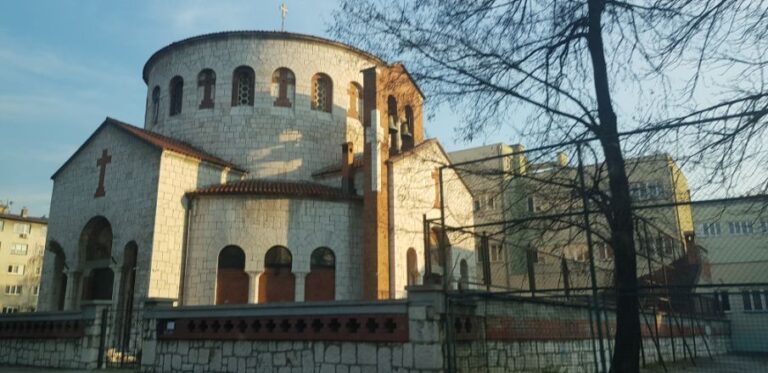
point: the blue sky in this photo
(66, 65)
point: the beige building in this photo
(517, 190)
(734, 234)
(22, 241)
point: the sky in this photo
(66, 65)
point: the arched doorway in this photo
(231, 279)
(95, 259)
(277, 283)
(127, 286)
(59, 278)
(320, 284)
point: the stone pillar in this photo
(299, 292)
(253, 286)
(71, 292)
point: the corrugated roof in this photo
(156, 140)
(275, 188)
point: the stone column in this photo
(71, 292)
(117, 280)
(299, 292)
(253, 286)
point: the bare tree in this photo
(564, 62)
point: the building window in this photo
(603, 251)
(491, 203)
(16, 269)
(355, 101)
(757, 300)
(763, 225)
(283, 87)
(478, 205)
(322, 93)
(243, 86)
(724, 300)
(206, 87)
(740, 228)
(754, 300)
(412, 267)
(177, 90)
(532, 205)
(35, 290)
(10, 309)
(38, 270)
(710, 230)
(155, 108)
(496, 253)
(19, 249)
(44, 231)
(645, 190)
(22, 228)
(13, 290)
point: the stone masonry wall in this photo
(414, 192)
(132, 172)
(269, 141)
(178, 175)
(256, 224)
(80, 350)
(531, 336)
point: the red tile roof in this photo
(275, 188)
(358, 162)
(168, 143)
(156, 140)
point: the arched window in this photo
(155, 107)
(412, 267)
(231, 279)
(277, 283)
(322, 93)
(177, 90)
(126, 293)
(355, 101)
(394, 146)
(206, 88)
(243, 86)
(320, 284)
(96, 259)
(283, 87)
(406, 130)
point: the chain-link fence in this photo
(564, 250)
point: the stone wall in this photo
(531, 335)
(414, 192)
(411, 344)
(269, 141)
(258, 223)
(133, 171)
(67, 340)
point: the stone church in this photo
(270, 167)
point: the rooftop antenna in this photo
(283, 14)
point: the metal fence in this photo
(545, 238)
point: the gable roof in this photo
(156, 140)
(422, 147)
(275, 188)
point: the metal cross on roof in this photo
(283, 14)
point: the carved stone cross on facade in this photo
(207, 81)
(102, 163)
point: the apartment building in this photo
(22, 242)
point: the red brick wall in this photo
(320, 285)
(277, 285)
(231, 286)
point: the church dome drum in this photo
(276, 103)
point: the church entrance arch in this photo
(95, 259)
(277, 283)
(231, 279)
(320, 284)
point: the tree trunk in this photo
(626, 353)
